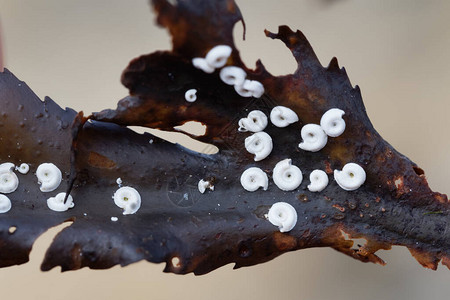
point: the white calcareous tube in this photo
(282, 116)
(23, 168)
(283, 215)
(49, 177)
(8, 179)
(254, 178)
(314, 138)
(351, 177)
(260, 144)
(286, 176)
(256, 121)
(190, 95)
(5, 204)
(250, 88)
(203, 185)
(217, 57)
(232, 75)
(128, 199)
(6, 167)
(243, 92)
(332, 122)
(200, 63)
(57, 203)
(319, 181)
(255, 87)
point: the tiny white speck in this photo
(119, 182)
(151, 141)
(218, 204)
(185, 196)
(85, 214)
(114, 219)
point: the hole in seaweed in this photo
(418, 171)
(357, 242)
(43, 242)
(193, 127)
(12, 229)
(258, 46)
(245, 250)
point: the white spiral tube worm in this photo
(314, 138)
(283, 215)
(200, 63)
(8, 179)
(319, 181)
(332, 122)
(250, 88)
(203, 185)
(49, 177)
(260, 144)
(286, 176)
(128, 199)
(217, 57)
(190, 95)
(254, 178)
(351, 177)
(256, 121)
(57, 203)
(23, 168)
(5, 204)
(282, 116)
(232, 75)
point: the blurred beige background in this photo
(398, 51)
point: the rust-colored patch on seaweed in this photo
(97, 160)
